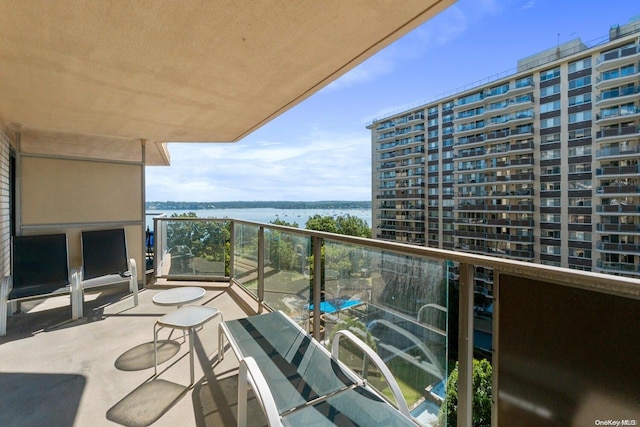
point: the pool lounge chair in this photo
(105, 263)
(40, 269)
(298, 382)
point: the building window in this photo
(580, 133)
(580, 117)
(579, 219)
(579, 253)
(550, 202)
(580, 65)
(433, 110)
(580, 99)
(550, 106)
(524, 82)
(550, 234)
(549, 74)
(499, 90)
(583, 150)
(550, 138)
(548, 123)
(470, 98)
(550, 186)
(580, 236)
(550, 218)
(580, 201)
(549, 90)
(550, 154)
(580, 167)
(550, 170)
(579, 82)
(550, 249)
(584, 184)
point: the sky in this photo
(321, 150)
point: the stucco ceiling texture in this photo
(183, 70)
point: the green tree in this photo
(322, 223)
(207, 240)
(347, 225)
(481, 396)
(284, 223)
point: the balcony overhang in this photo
(188, 71)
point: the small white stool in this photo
(185, 318)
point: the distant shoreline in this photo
(334, 204)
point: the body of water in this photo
(266, 215)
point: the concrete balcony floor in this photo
(98, 371)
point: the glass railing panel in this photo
(191, 247)
(287, 273)
(245, 256)
(397, 305)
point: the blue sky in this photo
(321, 149)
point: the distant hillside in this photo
(334, 204)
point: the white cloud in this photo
(320, 166)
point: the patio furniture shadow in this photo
(147, 403)
(140, 357)
(21, 391)
(215, 397)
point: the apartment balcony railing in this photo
(494, 236)
(618, 189)
(617, 132)
(629, 150)
(618, 267)
(618, 228)
(617, 77)
(616, 54)
(610, 116)
(618, 170)
(488, 250)
(618, 208)
(617, 93)
(497, 208)
(618, 247)
(386, 292)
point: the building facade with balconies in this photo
(541, 165)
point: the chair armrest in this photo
(133, 281)
(373, 356)
(77, 294)
(251, 374)
(5, 288)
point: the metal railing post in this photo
(260, 268)
(232, 250)
(317, 284)
(465, 347)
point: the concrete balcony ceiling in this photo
(188, 71)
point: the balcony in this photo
(622, 248)
(618, 228)
(615, 152)
(617, 115)
(103, 364)
(617, 171)
(618, 77)
(617, 57)
(617, 133)
(618, 267)
(618, 190)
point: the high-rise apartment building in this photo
(542, 165)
